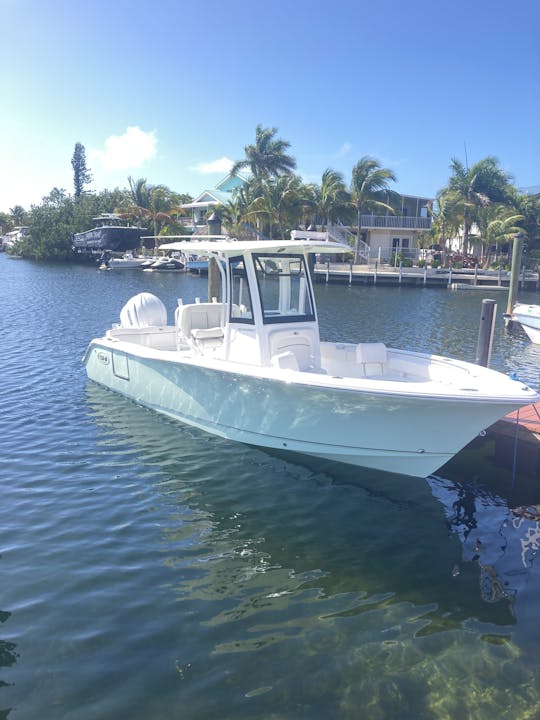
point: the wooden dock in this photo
(517, 440)
(374, 274)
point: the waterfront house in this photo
(387, 235)
(204, 204)
(400, 233)
(382, 235)
(12, 237)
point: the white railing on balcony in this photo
(396, 222)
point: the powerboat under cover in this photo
(252, 368)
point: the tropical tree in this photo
(18, 215)
(267, 157)
(155, 203)
(81, 174)
(139, 191)
(234, 213)
(331, 200)
(370, 192)
(282, 201)
(528, 206)
(445, 219)
(50, 226)
(6, 223)
(471, 190)
(503, 226)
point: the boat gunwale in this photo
(422, 389)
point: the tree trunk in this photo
(358, 229)
(466, 229)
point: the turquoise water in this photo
(151, 571)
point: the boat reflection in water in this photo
(288, 560)
(496, 516)
(392, 521)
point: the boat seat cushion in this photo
(207, 333)
(200, 322)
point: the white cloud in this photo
(130, 150)
(344, 149)
(221, 165)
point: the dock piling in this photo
(517, 251)
(485, 332)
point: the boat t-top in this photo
(249, 365)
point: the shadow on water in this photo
(8, 657)
(342, 561)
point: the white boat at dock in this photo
(174, 263)
(252, 368)
(528, 316)
(128, 261)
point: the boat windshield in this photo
(241, 308)
(283, 288)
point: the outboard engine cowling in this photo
(143, 310)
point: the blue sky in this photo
(172, 91)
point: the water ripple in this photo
(151, 568)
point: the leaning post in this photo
(485, 332)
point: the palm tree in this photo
(502, 227)
(447, 215)
(267, 157)
(331, 200)
(529, 207)
(475, 188)
(234, 212)
(282, 201)
(152, 202)
(139, 192)
(18, 214)
(370, 191)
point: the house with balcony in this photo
(382, 235)
(397, 233)
(204, 204)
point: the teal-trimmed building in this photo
(205, 203)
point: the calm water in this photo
(149, 570)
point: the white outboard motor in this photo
(143, 310)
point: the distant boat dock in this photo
(375, 274)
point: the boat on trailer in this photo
(251, 367)
(112, 233)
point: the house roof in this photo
(209, 198)
(231, 182)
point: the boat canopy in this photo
(231, 248)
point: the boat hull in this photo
(116, 239)
(528, 316)
(125, 263)
(397, 433)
